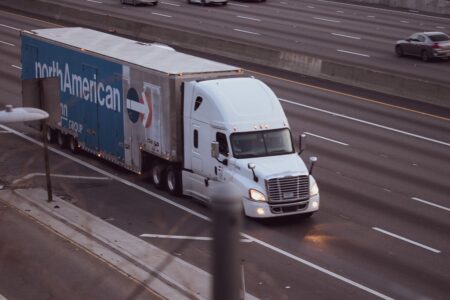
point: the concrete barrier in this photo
(441, 7)
(385, 82)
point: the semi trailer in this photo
(192, 123)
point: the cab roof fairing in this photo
(240, 104)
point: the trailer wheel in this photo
(73, 144)
(50, 135)
(173, 180)
(158, 175)
(61, 139)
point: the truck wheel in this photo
(61, 139)
(173, 180)
(50, 135)
(158, 172)
(73, 144)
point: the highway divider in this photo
(385, 82)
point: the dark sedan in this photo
(426, 45)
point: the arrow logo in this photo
(142, 106)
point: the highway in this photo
(383, 170)
(326, 29)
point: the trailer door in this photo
(90, 114)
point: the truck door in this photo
(90, 113)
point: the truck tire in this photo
(173, 180)
(50, 135)
(73, 144)
(61, 139)
(158, 175)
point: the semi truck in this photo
(192, 124)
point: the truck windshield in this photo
(261, 143)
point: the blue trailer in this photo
(118, 99)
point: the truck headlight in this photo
(313, 188)
(256, 195)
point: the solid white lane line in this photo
(168, 3)
(6, 43)
(199, 215)
(17, 67)
(162, 15)
(185, 237)
(327, 139)
(431, 203)
(10, 27)
(354, 53)
(31, 175)
(406, 240)
(318, 268)
(368, 123)
(240, 5)
(346, 36)
(327, 20)
(245, 31)
(94, 1)
(249, 18)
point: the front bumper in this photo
(255, 209)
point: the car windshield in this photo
(439, 37)
(261, 143)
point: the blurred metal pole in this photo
(227, 218)
(46, 161)
(44, 139)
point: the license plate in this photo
(287, 195)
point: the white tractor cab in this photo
(240, 134)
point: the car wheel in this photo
(158, 172)
(309, 214)
(61, 139)
(399, 51)
(73, 144)
(173, 180)
(50, 135)
(425, 56)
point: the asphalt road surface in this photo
(35, 263)
(383, 170)
(328, 29)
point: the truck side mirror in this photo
(312, 161)
(215, 150)
(301, 143)
(252, 167)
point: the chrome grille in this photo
(288, 189)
